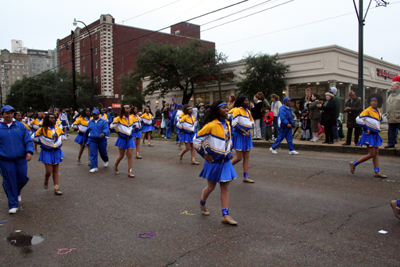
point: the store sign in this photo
(116, 105)
(385, 74)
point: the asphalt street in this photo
(304, 210)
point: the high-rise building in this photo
(42, 60)
(115, 48)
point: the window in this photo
(17, 67)
(83, 42)
(83, 55)
(204, 96)
(17, 61)
(95, 36)
(25, 73)
(13, 71)
(96, 65)
(13, 61)
(17, 71)
(95, 50)
(18, 78)
(25, 61)
(225, 95)
(83, 69)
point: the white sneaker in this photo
(13, 211)
(19, 198)
(315, 140)
(293, 152)
(105, 164)
(93, 170)
(273, 151)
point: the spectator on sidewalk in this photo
(338, 106)
(315, 115)
(305, 125)
(264, 106)
(304, 101)
(275, 106)
(393, 112)
(353, 108)
(231, 104)
(256, 112)
(328, 117)
(268, 120)
(286, 123)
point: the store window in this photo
(225, 95)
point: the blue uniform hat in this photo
(95, 111)
(180, 105)
(105, 109)
(7, 108)
(286, 99)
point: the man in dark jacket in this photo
(353, 108)
(338, 106)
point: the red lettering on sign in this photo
(385, 74)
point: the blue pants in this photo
(392, 133)
(284, 132)
(97, 145)
(262, 125)
(15, 177)
(335, 131)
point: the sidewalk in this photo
(336, 147)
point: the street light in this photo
(75, 23)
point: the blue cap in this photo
(180, 105)
(7, 108)
(105, 109)
(95, 111)
(286, 99)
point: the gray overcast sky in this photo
(39, 23)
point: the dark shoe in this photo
(330, 143)
(326, 142)
(228, 220)
(346, 144)
(395, 208)
(389, 147)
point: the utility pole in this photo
(361, 23)
(73, 70)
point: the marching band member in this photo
(148, 127)
(213, 142)
(103, 114)
(81, 124)
(50, 138)
(16, 149)
(123, 124)
(242, 122)
(97, 134)
(137, 133)
(370, 121)
(64, 121)
(18, 117)
(36, 123)
(187, 125)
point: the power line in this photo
(298, 26)
(248, 15)
(149, 11)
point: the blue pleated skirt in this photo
(137, 134)
(218, 171)
(187, 137)
(372, 139)
(125, 143)
(51, 157)
(241, 142)
(79, 139)
(147, 128)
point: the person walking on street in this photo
(315, 115)
(393, 112)
(136, 132)
(50, 138)
(214, 143)
(275, 106)
(187, 125)
(81, 124)
(16, 150)
(370, 120)
(148, 127)
(353, 108)
(328, 117)
(97, 134)
(286, 123)
(242, 122)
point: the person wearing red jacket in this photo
(269, 120)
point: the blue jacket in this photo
(173, 121)
(95, 129)
(285, 116)
(15, 142)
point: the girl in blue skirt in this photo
(137, 133)
(123, 125)
(81, 124)
(148, 127)
(242, 122)
(50, 138)
(213, 143)
(370, 121)
(186, 124)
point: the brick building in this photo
(115, 48)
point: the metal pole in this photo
(73, 70)
(360, 91)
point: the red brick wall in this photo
(186, 29)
